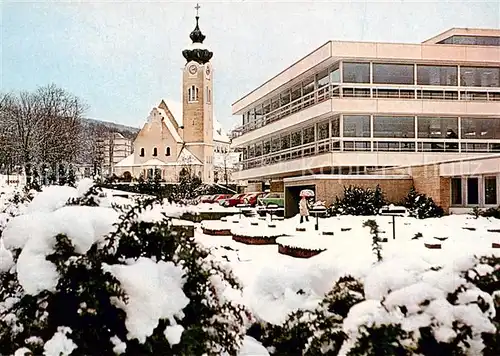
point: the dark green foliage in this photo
(83, 300)
(316, 332)
(380, 341)
(374, 230)
(421, 206)
(488, 213)
(359, 201)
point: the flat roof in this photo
(345, 176)
(462, 31)
(391, 51)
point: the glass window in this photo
(356, 126)
(258, 113)
(490, 190)
(456, 191)
(437, 127)
(251, 116)
(258, 149)
(296, 138)
(296, 92)
(335, 74)
(356, 72)
(472, 191)
(285, 97)
(335, 126)
(480, 76)
(437, 75)
(251, 151)
(275, 103)
(266, 107)
(275, 144)
(285, 141)
(394, 126)
(475, 128)
(322, 79)
(472, 40)
(308, 135)
(267, 147)
(142, 152)
(308, 86)
(323, 130)
(393, 73)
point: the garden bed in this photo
(216, 232)
(255, 240)
(297, 252)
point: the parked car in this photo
(273, 198)
(207, 198)
(233, 201)
(220, 197)
(251, 198)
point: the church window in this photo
(207, 94)
(167, 151)
(155, 152)
(192, 94)
(142, 152)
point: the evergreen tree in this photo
(421, 206)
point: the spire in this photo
(197, 52)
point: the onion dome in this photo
(197, 51)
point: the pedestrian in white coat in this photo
(304, 210)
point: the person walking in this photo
(303, 209)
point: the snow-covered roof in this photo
(154, 162)
(187, 157)
(197, 45)
(126, 162)
(169, 125)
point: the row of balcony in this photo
(367, 91)
(371, 145)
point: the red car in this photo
(233, 201)
(251, 198)
(207, 198)
(220, 197)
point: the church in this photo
(171, 149)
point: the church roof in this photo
(154, 162)
(186, 157)
(126, 162)
(170, 125)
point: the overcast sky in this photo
(123, 57)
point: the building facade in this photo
(171, 148)
(353, 106)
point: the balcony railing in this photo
(370, 145)
(369, 91)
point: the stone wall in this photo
(426, 180)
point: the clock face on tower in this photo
(192, 69)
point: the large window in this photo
(394, 126)
(456, 191)
(474, 128)
(336, 126)
(323, 130)
(322, 79)
(296, 92)
(297, 138)
(480, 76)
(356, 126)
(308, 135)
(285, 141)
(437, 75)
(308, 86)
(275, 144)
(472, 191)
(472, 40)
(393, 74)
(356, 72)
(437, 127)
(335, 74)
(490, 190)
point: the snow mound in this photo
(154, 292)
(51, 199)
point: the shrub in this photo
(359, 201)
(91, 305)
(421, 206)
(314, 332)
(375, 231)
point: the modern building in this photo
(116, 148)
(174, 143)
(350, 108)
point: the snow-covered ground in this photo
(274, 284)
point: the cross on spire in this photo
(197, 7)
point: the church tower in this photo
(197, 101)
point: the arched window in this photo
(167, 151)
(155, 152)
(192, 93)
(142, 152)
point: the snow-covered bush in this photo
(359, 201)
(314, 332)
(375, 231)
(438, 311)
(83, 287)
(421, 206)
